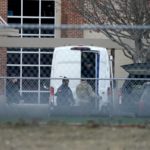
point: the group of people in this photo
(85, 94)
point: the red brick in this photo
(3, 51)
(68, 16)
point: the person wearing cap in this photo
(64, 94)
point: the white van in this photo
(68, 61)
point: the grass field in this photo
(60, 136)
(76, 134)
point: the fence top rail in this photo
(78, 26)
(49, 78)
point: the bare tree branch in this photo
(119, 12)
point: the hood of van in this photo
(137, 68)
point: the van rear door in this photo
(66, 63)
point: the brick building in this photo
(36, 63)
(3, 51)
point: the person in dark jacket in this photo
(13, 95)
(64, 94)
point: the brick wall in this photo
(3, 9)
(68, 16)
(3, 61)
(3, 51)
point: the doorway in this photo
(90, 68)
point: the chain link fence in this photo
(28, 85)
(124, 97)
(27, 81)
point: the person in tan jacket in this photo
(85, 94)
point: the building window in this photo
(14, 7)
(45, 71)
(31, 62)
(46, 59)
(30, 8)
(36, 12)
(13, 58)
(16, 20)
(30, 84)
(30, 58)
(47, 8)
(29, 71)
(13, 70)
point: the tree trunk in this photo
(138, 56)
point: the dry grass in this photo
(22, 136)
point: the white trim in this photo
(2, 21)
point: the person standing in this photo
(64, 94)
(13, 95)
(89, 72)
(86, 95)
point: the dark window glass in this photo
(48, 8)
(30, 59)
(28, 84)
(30, 71)
(30, 30)
(13, 70)
(47, 49)
(13, 49)
(47, 31)
(14, 7)
(30, 8)
(14, 20)
(30, 21)
(47, 36)
(30, 49)
(13, 58)
(33, 36)
(47, 21)
(45, 71)
(46, 59)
